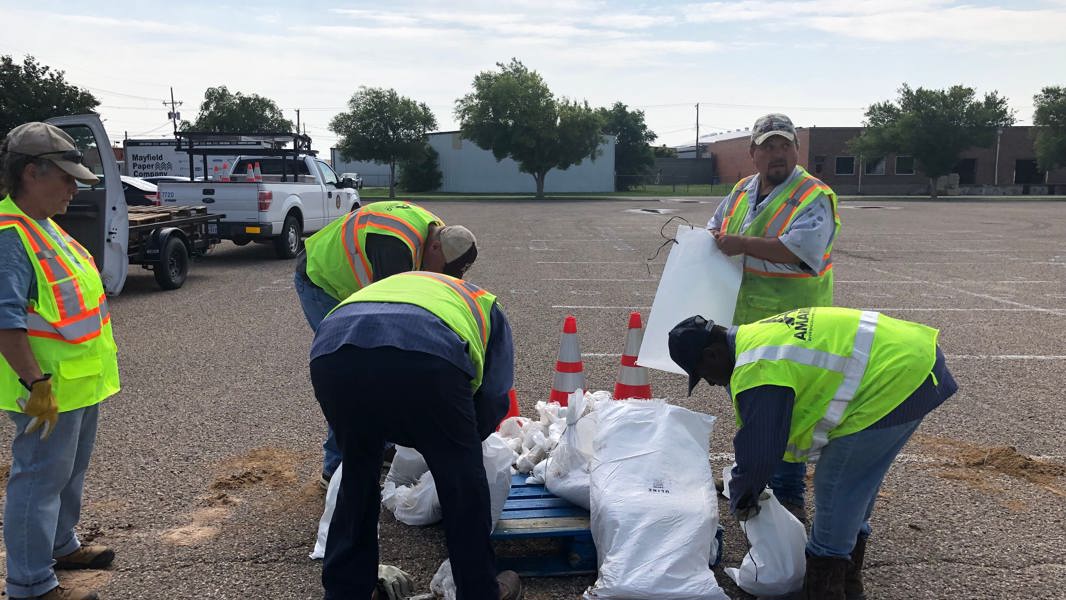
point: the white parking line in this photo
(975, 294)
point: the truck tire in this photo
(290, 242)
(173, 265)
(241, 241)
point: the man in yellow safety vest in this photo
(368, 245)
(784, 222)
(837, 386)
(57, 362)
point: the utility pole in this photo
(174, 115)
(697, 131)
(297, 120)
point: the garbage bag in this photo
(697, 280)
(653, 503)
(327, 515)
(413, 504)
(566, 472)
(776, 563)
(407, 466)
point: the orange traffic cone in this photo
(513, 410)
(632, 381)
(225, 172)
(214, 174)
(569, 372)
(249, 176)
(258, 172)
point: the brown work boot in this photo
(93, 556)
(510, 586)
(853, 588)
(824, 579)
(62, 593)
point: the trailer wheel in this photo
(173, 266)
(289, 243)
(241, 241)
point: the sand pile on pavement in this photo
(272, 466)
(1007, 460)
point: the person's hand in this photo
(41, 405)
(395, 583)
(730, 245)
(749, 507)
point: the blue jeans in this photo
(316, 304)
(789, 482)
(846, 481)
(44, 498)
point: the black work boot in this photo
(824, 579)
(853, 577)
(798, 511)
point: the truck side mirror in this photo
(347, 182)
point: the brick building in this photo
(824, 152)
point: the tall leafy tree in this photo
(30, 91)
(933, 126)
(1050, 121)
(513, 113)
(384, 127)
(421, 173)
(226, 111)
(633, 156)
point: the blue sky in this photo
(821, 61)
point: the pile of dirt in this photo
(271, 466)
(1007, 460)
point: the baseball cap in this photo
(687, 340)
(41, 140)
(770, 125)
(459, 247)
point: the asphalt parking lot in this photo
(205, 473)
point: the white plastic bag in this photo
(498, 458)
(776, 563)
(697, 280)
(566, 472)
(413, 504)
(443, 583)
(654, 506)
(407, 466)
(327, 515)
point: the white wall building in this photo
(466, 168)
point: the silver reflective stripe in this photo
(793, 201)
(853, 374)
(806, 356)
(632, 375)
(351, 246)
(74, 331)
(397, 223)
(464, 292)
(568, 382)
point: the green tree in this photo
(513, 113)
(226, 111)
(933, 126)
(34, 92)
(384, 127)
(633, 157)
(664, 151)
(421, 173)
(1049, 117)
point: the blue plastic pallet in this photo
(531, 511)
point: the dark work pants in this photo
(371, 396)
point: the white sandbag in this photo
(327, 515)
(443, 584)
(566, 472)
(653, 503)
(413, 504)
(697, 280)
(536, 476)
(498, 458)
(407, 466)
(511, 427)
(776, 563)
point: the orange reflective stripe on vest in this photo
(60, 277)
(350, 237)
(469, 293)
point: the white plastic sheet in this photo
(697, 280)
(327, 515)
(776, 563)
(654, 506)
(566, 472)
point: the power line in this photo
(122, 94)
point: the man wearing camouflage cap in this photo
(57, 362)
(784, 222)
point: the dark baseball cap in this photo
(771, 125)
(687, 340)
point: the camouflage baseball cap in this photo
(773, 124)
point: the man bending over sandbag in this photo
(840, 387)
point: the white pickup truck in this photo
(298, 194)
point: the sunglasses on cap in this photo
(74, 156)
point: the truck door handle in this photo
(329, 194)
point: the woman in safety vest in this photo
(840, 387)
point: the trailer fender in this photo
(158, 240)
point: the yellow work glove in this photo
(41, 405)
